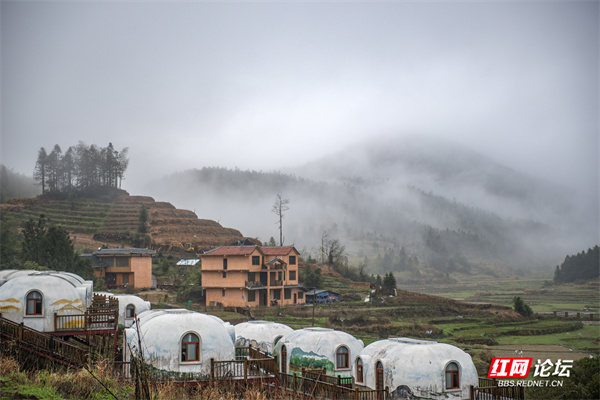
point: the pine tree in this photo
(40, 171)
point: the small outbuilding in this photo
(322, 296)
(262, 335)
(34, 297)
(318, 348)
(180, 340)
(413, 368)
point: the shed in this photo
(180, 340)
(322, 296)
(263, 335)
(318, 348)
(419, 368)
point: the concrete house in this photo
(123, 267)
(251, 276)
(262, 335)
(179, 340)
(34, 297)
(317, 348)
(419, 368)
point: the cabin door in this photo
(111, 279)
(379, 376)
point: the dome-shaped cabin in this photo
(317, 348)
(420, 368)
(33, 297)
(180, 340)
(262, 335)
(129, 307)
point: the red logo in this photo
(509, 367)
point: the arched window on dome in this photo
(452, 378)
(341, 358)
(34, 303)
(130, 311)
(359, 370)
(190, 348)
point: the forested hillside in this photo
(396, 206)
(582, 266)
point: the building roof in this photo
(190, 262)
(277, 250)
(319, 291)
(116, 252)
(231, 251)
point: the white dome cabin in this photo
(411, 367)
(129, 307)
(180, 340)
(34, 297)
(262, 335)
(317, 348)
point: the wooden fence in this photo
(103, 314)
(321, 389)
(489, 390)
(42, 344)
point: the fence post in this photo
(245, 369)
(212, 368)
(355, 393)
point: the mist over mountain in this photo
(425, 202)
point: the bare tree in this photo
(332, 251)
(279, 208)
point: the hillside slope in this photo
(113, 220)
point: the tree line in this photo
(582, 266)
(81, 167)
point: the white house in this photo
(33, 297)
(180, 340)
(263, 335)
(411, 367)
(318, 348)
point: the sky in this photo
(272, 84)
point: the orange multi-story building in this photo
(123, 267)
(251, 276)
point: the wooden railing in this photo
(42, 344)
(305, 386)
(488, 389)
(103, 314)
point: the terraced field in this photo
(113, 222)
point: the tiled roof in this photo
(112, 252)
(277, 250)
(231, 251)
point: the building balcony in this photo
(255, 284)
(276, 283)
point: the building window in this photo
(359, 370)
(130, 311)
(224, 263)
(223, 293)
(224, 274)
(190, 348)
(125, 279)
(292, 275)
(277, 294)
(34, 303)
(251, 295)
(287, 293)
(251, 276)
(122, 261)
(300, 295)
(341, 357)
(292, 260)
(452, 381)
(255, 260)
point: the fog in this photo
(274, 86)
